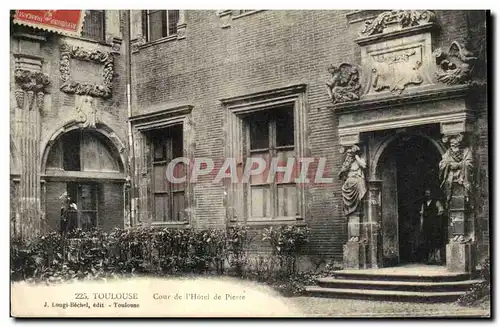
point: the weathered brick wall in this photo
(261, 51)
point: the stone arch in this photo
(117, 145)
(380, 149)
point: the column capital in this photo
(349, 140)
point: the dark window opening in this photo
(71, 152)
(80, 207)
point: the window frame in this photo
(170, 192)
(147, 25)
(143, 124)
(237, 108)
(102, 39)
(272, 149)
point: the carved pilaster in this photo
(456, 167)
(374, 221)
(353, 194)
(30, 87)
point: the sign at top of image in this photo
(59, 21)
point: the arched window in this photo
(84, 183)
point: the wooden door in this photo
(390, 239)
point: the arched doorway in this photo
(408, 165)
(84, 181)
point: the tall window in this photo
(168, 195)
(93, 25)
(270, 134)
(160, 23)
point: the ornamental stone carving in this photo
(31, 86)
(456, 66)
(397, 19)
(106, 59)
(456, 166)
(396, 71)
(86, 111)
(353, 177)
(343, 86)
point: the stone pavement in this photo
(339, 308)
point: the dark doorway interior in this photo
(417, 161)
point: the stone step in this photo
(397, 275)
(451, 286)
(382, 295)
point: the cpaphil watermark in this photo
(252, 170)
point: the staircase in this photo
(416, 283)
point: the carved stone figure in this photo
(344, 85)
(72, 87)
(30, 83)
(86, 111)
(404, 19)
(456, 167)
(354, 187)
(456, 66)
(396, 72)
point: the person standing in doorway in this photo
(431, 229)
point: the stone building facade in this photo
(404, 90)
(68, 119)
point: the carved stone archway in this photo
(99, 128)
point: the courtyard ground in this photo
(329, 307)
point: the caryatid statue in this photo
(354, 187)
(456, 167)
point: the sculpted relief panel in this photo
(395, 70)
(69, 53)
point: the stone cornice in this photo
(264, 97)
(396, 34)
(431, 94)
(162, 118)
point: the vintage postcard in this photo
(249, 163)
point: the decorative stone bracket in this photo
(32, 85)
(100, 57)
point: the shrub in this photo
(238, 241)
(286, 242)
(96, 254)
(479, 292)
